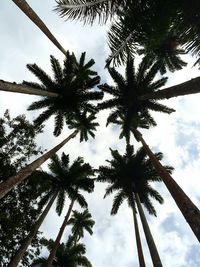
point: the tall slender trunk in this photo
(149, 238)
(59, 236)
(23, 5)
(23, 89)
(138, 241)
(9, 183)
(27, 241)
(184, 203)
(187, 88)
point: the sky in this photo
(177, 136)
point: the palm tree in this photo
(79, 176)
(130, 175)
(81, 221)
(126, 94)
(73, 83)
(134, 17)
(61, 181)
(184, 203)
(23, 5)
(166, 54)
(84, 125)
(131, 34)
(68, 254)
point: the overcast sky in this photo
(177, 136)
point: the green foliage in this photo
(81, 221)
(68, 254)
(188, 25)
(136, 24)
(68, 180)
(131, 33)
(19, 209)
(17, 140)
(127, 109)
(84, 123)
(129, 174)
(87, 10)
(74, 83)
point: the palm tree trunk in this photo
(149, 238)
(186, 206)
(23, 5)
(23, 89)
(186, 88)
(27, 241)
(9, 183)
(59, 236)
(138, 241)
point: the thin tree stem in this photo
(184, 203)
(138, 240)
(12, 181)
(29, 12)
(23, 89)
(27, 241)
(59, 236)
(150, 241)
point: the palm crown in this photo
(131, 34)
(68, 180)
(81, 221)
(131, 24)
(74, 85)
(125, 102)
(84, 123)
(68, 254)
(129, 174)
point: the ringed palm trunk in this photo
(59, 236)
(23, 89)
(149, 238)
(12, 181)
(27, 241)
(23, 5)
(184, 203)
(138, 241)
(190, 87)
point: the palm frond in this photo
(121, 43)
(60, 202)
(65, 161)
(118, 199)
(42, 76)
(43, 103)
(57, 69)
(59, 123)
(44, 116)
(155, 106)
(81, 201)
(87, 10)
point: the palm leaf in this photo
(87, 10)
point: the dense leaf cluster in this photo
(19, 209)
